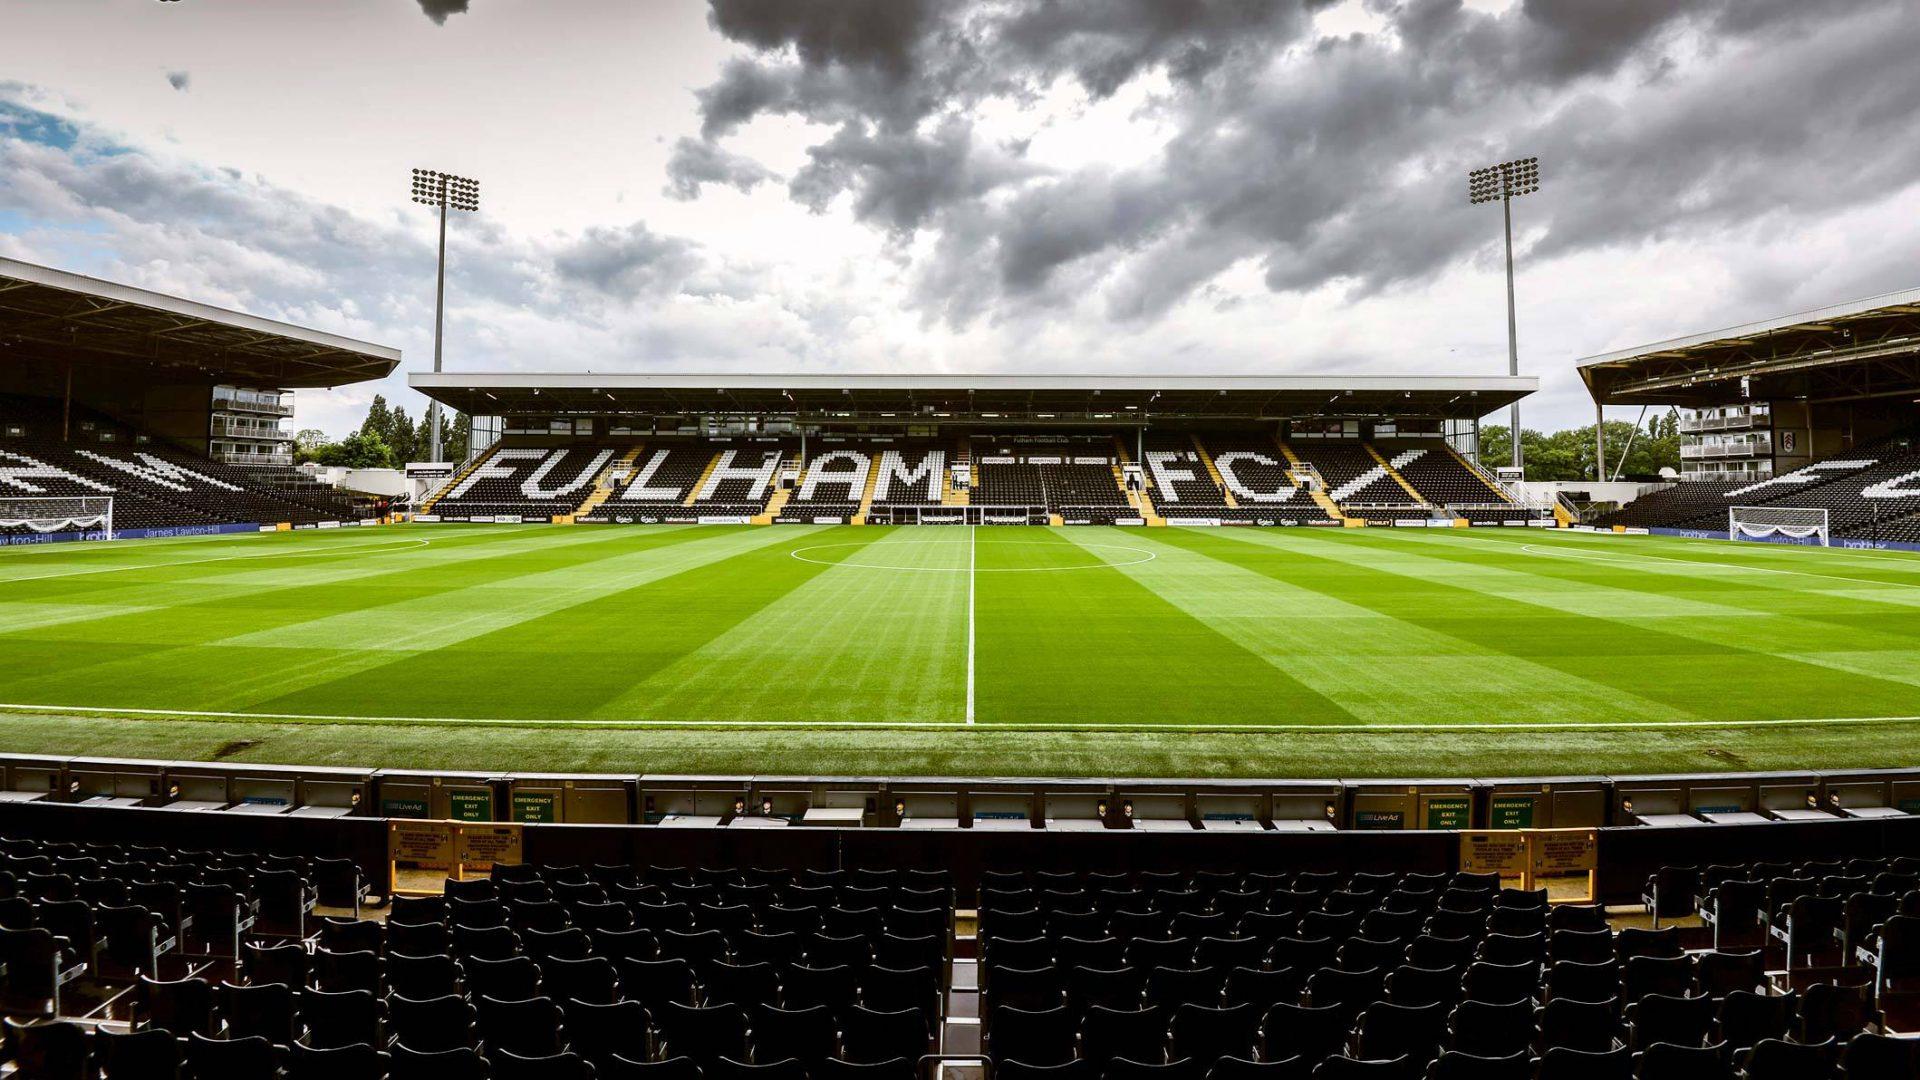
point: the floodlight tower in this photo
(1506, 182)
(448, 192)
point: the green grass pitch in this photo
(1216, 652)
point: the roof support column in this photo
(1599, 442)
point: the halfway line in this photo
(970, 576)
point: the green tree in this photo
(1568, 455)
(360, 450)
(456, 429)
(401, 436)
(379, 421)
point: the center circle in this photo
(1143, 556)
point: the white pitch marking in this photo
(1604, 557)
(1245, 729)
(344, 549)
(800, 553)
(971, 545)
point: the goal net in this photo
(52, 515)
(1796, 524)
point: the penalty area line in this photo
(951, 725)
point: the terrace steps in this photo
(1213, 471)
(1394, 474)
(454, 480)
(866, 492)
(1320, 498)
(1140, 500)
(962, 455)
(693, 491)
(1479, 472)
(603, 484)
(777, 502)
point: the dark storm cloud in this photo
(1323, 160)
(696, 162)
(438, 10)
(180, 80)
(626, 262)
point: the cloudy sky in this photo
(1198, 186)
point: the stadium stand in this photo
(1179, 480)
(832, 486)
(1005, 480)
(1353, 477)
(153, 484)
(740, 479)
(1437, 474)
(533, 483)
(661, 482)
(1873, 492)
(151, 960)
(914, 474)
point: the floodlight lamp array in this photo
(444, 189)
(1507, 180)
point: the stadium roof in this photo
(941, 396)
(1847, 352)
(52, 315)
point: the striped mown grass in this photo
(814, 649)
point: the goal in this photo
(1792, 524)
(79, 513)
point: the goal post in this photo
(1791, 524)
(42, 514)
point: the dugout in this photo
(684, 802)
(441, 796)
(115, 782)
(1410, 804)
(1305, 805)
(1556, 802)
(576, 799)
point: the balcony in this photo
(1742, 420)
(253, 401)
(1756, 448)
(248, 428)
(235, 456)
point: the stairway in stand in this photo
(1214, 471)
(866, 492)
(693, 493)
(1319, 497)
(1394, 474)
(603, 484)
(454, 480)
(778, 500)
(1140, 500)
(962, 455)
